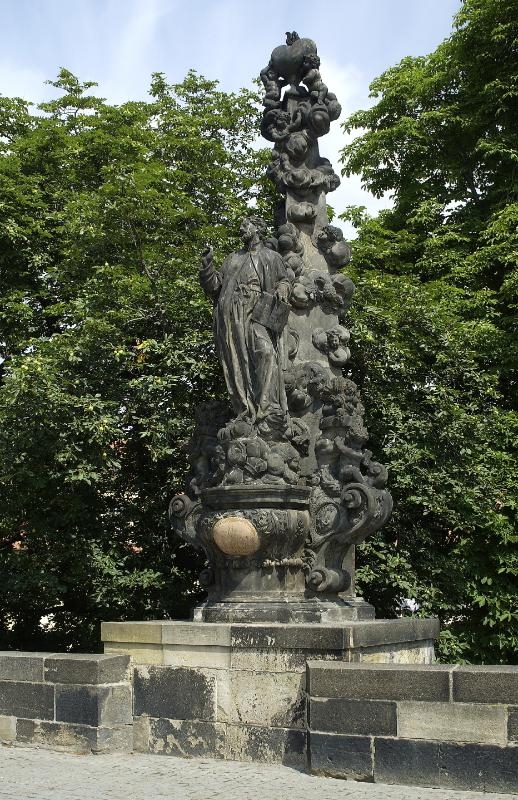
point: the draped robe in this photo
(251, 355)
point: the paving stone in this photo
(457, 722)
(39, 774)
(486, 684)
(148, 632)
(314, 637)
(479, 767)
(512, 725)
(7, 729)
(28, 700)
(263, 698)
(174, 693)
(378, 681)
(386, 631)
(409, 761)
(20, 666)
(341, 756)
(358, 717)
(86, 668)
(106, 706)
(265, 745)
(186, 738)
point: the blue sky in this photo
(119, 43)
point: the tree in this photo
(105, 343)
(436, 348)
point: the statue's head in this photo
(252, 226)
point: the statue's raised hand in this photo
(206, 258)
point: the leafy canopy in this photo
(105, 343)
(435, 329)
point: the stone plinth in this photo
(238, 691)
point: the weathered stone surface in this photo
(512, 725)
(486, 684)
(269, 699)
(57, 736)
(94, 705)
(7, 729)
(317, 637)
(192, 633)
(141, 733)
(485, 768)
(388, 631)
(280, 660)
(114, 740)
(174, 693)
(353, 717)
(21, 666)
(265, 745)
(407, 761)
(29, 700)
(86, 668)
(379, 682)
(273, 647)
(149, 632)
(78, 704)
(341, 756)
(75, 738)
(420, 652)
(477, 767)
(139, 652)
(186, 738)
(456, 722)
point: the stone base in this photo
(308, 610)
(238, 691)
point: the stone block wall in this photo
(238, 691)
(425, 725)
(81, 703)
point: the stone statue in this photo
(282, 486)
(251, 292)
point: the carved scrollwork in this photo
(339, 523)
(184, 514)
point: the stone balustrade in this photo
(77, 702)
(425, 725)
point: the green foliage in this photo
(434, 327)
(105, 344)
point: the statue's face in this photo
(247, 230)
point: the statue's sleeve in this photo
(210, 280)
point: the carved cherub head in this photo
(311, 61)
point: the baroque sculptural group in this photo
(282, 485)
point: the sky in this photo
(120, 43)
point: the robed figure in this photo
(250, 291)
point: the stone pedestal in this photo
(238, 691)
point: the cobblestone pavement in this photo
(27, 774)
